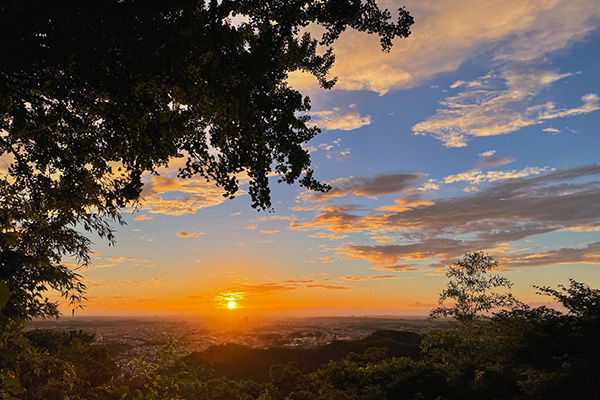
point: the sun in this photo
(231, 305)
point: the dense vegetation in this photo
(511, 352)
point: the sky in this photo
(478, 132)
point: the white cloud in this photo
(488, 153)
(552, 131)
(499, 104)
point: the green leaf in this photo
(13, 384)
(11, 238)
(4, 294)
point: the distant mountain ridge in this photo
(241, 363)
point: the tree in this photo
(93, 94)
(475, 294)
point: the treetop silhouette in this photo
(93, 94)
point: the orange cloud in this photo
(185, 195)
(404, 204)
(189, 234)
(335, 119)
(143, 217)
(323, 260)
(329, 287)
(330, 236)
(369, 278)
(298, 281)
(383, 239)
(130, 282)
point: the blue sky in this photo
(479, 132)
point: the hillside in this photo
(240, 363)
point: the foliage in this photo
(553, 355)
(476, 293)
(504, 349)
(473, 288)
(579, 299)
(94, 94)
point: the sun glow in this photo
(231, 305)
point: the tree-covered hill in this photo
(241, 363)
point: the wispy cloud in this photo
(269, 231)
(476, 176)
(143, 217)
(323, 260)
(326, 286)
(586, 254)
(552, 131)
(372, 186)
(488, 153)
(497, 104)
(333, 150)
(185, 234)
(370, 278)
(336, 119)
(126, 259)
(503, 211)
(490, 162)
(154, 281)
(383, 239)
(328, 235)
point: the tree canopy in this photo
(93, 94)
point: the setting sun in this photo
(231, 305)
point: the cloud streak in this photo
(337, 120)
(503, 211)
(498, 104)
(186, 235)
(372, 186)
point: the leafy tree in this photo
(474, 294)
(551, 354)
(93, 94)
(579, 299)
